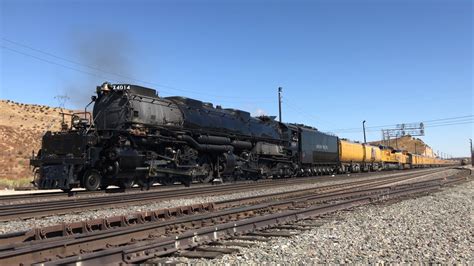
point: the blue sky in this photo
(339, 62)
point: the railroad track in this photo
(4, 199)
(148, 239)
(146, 216)
(70, 205)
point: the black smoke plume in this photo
(103, 56)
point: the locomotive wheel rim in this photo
(92, 181)
(205, 163)
(207, 178)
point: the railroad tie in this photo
(251, 238)
(294, 227)
(218, 249)
(311, 225)
(274, 234)
(315, 222)
(233, 244)
(165, 261)
(201, 254)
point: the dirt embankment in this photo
(410, 144)
(21, 129)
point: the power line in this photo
(463, 122)
(105, 71)
(348, 130)
(61, 58)
(426, 122)
(101, 76)
(319, 119)
(449, 118)
(450, 121)
(452, 124)
(302, 113)
(297, 110)
(52, 62)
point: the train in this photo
(134, 136)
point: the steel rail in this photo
(140, 217)
(294, 194)
(143, 241)
(45, 208)
(75, 193)
(142, 251)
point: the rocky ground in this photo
(21, 129)
(437, 228)
(21, 225)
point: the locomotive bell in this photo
(106, 87)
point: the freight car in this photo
(419, 161)
(356, 157)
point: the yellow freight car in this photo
(418, 161)
(373, 154)
(356, 157)
(415, 160)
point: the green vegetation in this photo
(15, 183)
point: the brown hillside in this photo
(21, 128)
(408, 143)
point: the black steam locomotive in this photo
(134, 136)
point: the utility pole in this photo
(363, 126)
(472, 154)
(415, 147)
(279, 103)
(62, 99)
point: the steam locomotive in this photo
(135, 136)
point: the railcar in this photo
(357, 157)
(318, 152)
(135, 136)
(419, 161)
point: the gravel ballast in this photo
(22, 225)
(437, 228)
